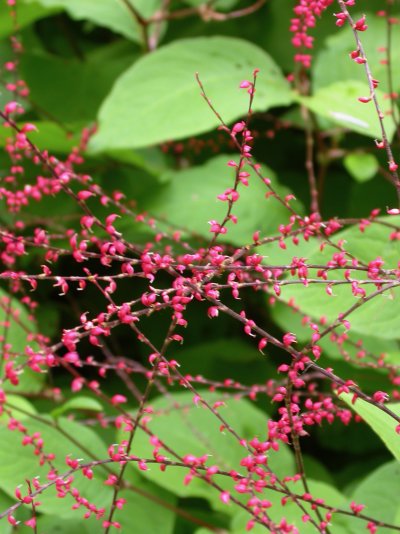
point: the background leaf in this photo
(339, 103)
(19, 463)
(382, 423)
(382, 311)
(112, 14)
(150, 102)
(341, 43)
(379, 493)
(196, 431)
(362, 167)
(189, 201)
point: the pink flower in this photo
(360, 25)
(225, 497)
(118, 399)
(380, 396)
(31, 523)
(245, 84)
(288, 339)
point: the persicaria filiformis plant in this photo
(200, 266)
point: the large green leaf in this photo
(112, 14)
(139, 514)
(5, 503)
(191, 429)
(379, 492)
(80, 403)
(337, 49)
(16, 335)
(382, 423)
(339, 103)
(18, 463)
(382, 311)
(27, 14)
(49, 136)
(52, 525)
(142, 515)
(18, 407)
(158, 98)
(291, 321)
(189, 201)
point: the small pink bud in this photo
(245, 84)
(84, 195)
(238, 127)
(380, 396)
(118, 399)
(288, 339)
(360, 25)
(262, 344)
(225, 497)
(213, 311)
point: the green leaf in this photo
(5, 503)
(380, 422)
(112, 14)
(27, 14)
(341, 43)
(196, 431)
(189, 201)
(50, 136)
(339, 103)
(382, 311)
(379, 492)
(78, 403)
(20, 409)
(17, 463)
(20, 328)
(151, 160)
(52, 525)
(158, 99)
(77, 88)
(361, 166)
(142, 515)
(291, 321)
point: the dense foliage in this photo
(200, 263)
